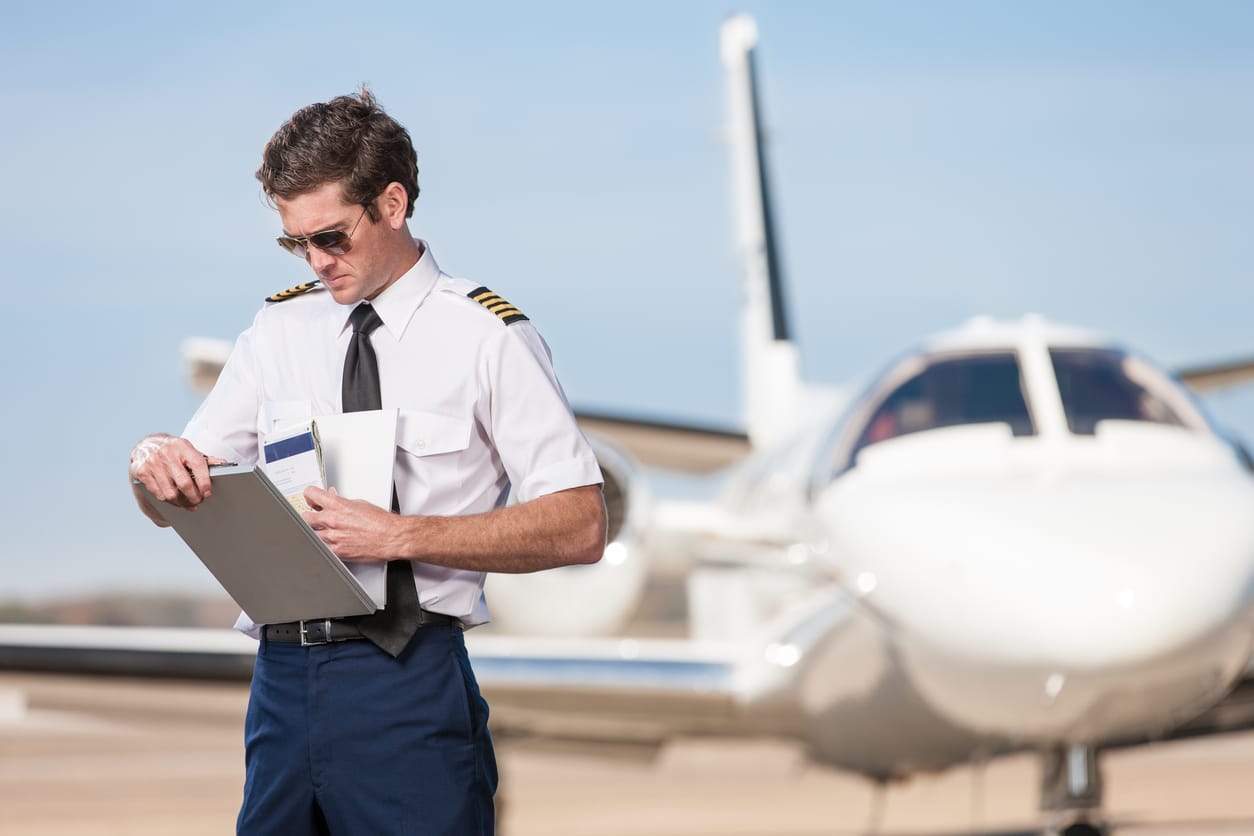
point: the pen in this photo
(217, 464)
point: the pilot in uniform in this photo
(480, 410)
(357, 735)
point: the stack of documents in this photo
(294, 462)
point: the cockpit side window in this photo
(1096, 385)
(971, 389)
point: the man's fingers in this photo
(177, 473)
(318, 498)
(185, 481)
(173, 471)
(317, 520)
(190, 470)
(156, 477)
(198, 466)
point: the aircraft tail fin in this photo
(770, 368)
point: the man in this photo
(376, 730)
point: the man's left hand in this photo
(353, 529)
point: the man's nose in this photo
(318, 259)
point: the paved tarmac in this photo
(124, 757)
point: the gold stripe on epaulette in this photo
(506, 312)
(284, 295)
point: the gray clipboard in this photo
(265, 556)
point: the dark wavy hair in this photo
(349, 139)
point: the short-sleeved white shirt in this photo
(480, 406)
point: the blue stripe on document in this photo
(302, 443)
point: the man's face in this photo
(362, 272)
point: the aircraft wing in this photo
(174, 652)
(639, 691)
(675, 446)
(1216, 376)
(596, 690)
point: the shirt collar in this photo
(398, 302)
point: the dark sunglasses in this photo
(333, 241)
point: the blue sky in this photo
(1093, 162)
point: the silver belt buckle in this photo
(305, 641)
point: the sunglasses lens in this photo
(296, 248)
(332, 241)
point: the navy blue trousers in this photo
(342, 739)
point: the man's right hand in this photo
(173, 471)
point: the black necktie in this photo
(392, 627)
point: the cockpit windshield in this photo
(969, 389)
(1102, 384)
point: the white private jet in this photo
(1020, 536)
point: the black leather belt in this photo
(327, 630)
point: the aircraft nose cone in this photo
(1094, 577)
(1032, 606)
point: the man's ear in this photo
(393, 204)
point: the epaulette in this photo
(495, 304)
(284, 295)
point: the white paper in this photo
(358, 452)
(294, 462)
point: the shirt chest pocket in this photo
(432, 460)
(432, 433)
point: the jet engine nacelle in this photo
(584, 600)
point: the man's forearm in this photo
(559, 529)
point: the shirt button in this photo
(421, 445)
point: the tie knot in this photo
(365, 319)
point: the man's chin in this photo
(344, 294)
